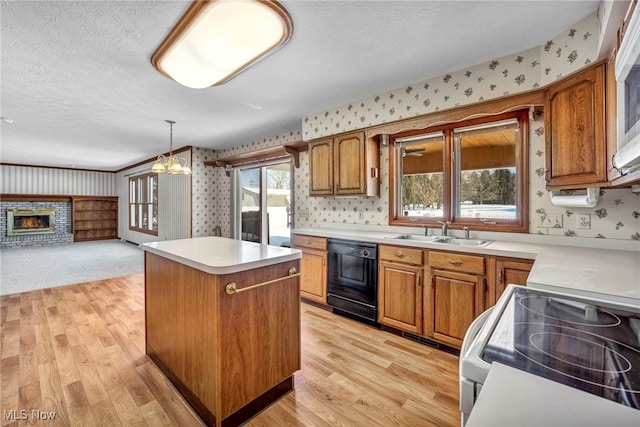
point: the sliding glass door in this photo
(263, 209)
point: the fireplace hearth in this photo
(30, 221)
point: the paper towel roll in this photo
(588, 200)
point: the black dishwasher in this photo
(352, 284)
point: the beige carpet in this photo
(27, 269)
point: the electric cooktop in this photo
(595, 348)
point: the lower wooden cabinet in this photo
(504, 271)
(313, 267)
(400, 296)
(433, 293)
(511, 271)
(452, 302)
(456, 295)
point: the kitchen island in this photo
(223, 322)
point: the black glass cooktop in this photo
(595, 348)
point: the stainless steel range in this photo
(590, 345)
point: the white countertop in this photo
(220, 255)
(587, 271)
(511, 397)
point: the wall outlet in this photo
(303, 213)
(549, 220)
(584, 221)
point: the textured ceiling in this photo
(79, 85)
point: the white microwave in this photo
(627, 157)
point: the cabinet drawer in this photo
(456, 262)
(400, 254)
(300, 241)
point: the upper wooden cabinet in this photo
(321, 168)
(346, 165)
(576, 147)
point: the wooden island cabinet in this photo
(223, 323)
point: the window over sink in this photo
(471, 173)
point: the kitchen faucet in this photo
(466, 232)
(445, 226)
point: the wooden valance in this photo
(262, 155)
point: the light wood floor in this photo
(78, 351)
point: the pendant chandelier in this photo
(172, 164)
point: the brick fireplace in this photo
(32, 223)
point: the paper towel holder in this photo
(588, 200)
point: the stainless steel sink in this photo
(447, 240)
(467, 242)
(416, 237)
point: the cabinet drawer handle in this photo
(455, 262)
(307, 241)
(400, 255)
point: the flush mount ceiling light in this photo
(172, 164)
(217, 39)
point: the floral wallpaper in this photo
(520, 72)
(212, 187)
(616, 216)
(204, 195)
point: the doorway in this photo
(264, 211)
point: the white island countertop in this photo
(610, 270)
(220, 255)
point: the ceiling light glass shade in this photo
(217, 39)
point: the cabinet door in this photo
(313, 275)
(575, 130)
(321, 168)
(453, 301)
(349, 164)
(400, 296)
(511, 271)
